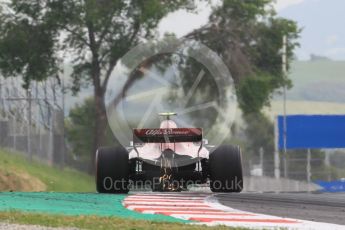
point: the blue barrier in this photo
(312, 131)
(332, 186)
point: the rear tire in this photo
(225, 169)
(112, 170)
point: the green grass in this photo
(95, 222)
(305, 72)
(321, 80)
(55, 179)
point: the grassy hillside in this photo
(318, 88)
(322, 80)
(18, 174)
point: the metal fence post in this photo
(261, 151)
(308, 168)
(29, 124)
(276, 150)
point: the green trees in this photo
(36, 35)
(80, 125)
(248, 36)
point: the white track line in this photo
(161, 208)
(165, 198)
(173, 204)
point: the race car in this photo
(168, 158)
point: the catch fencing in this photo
(32, 120)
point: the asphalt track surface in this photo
(322, 207)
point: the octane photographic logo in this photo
(119, 185)
(140, 104)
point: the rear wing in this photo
(167, 135)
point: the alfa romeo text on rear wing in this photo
(169, 135)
